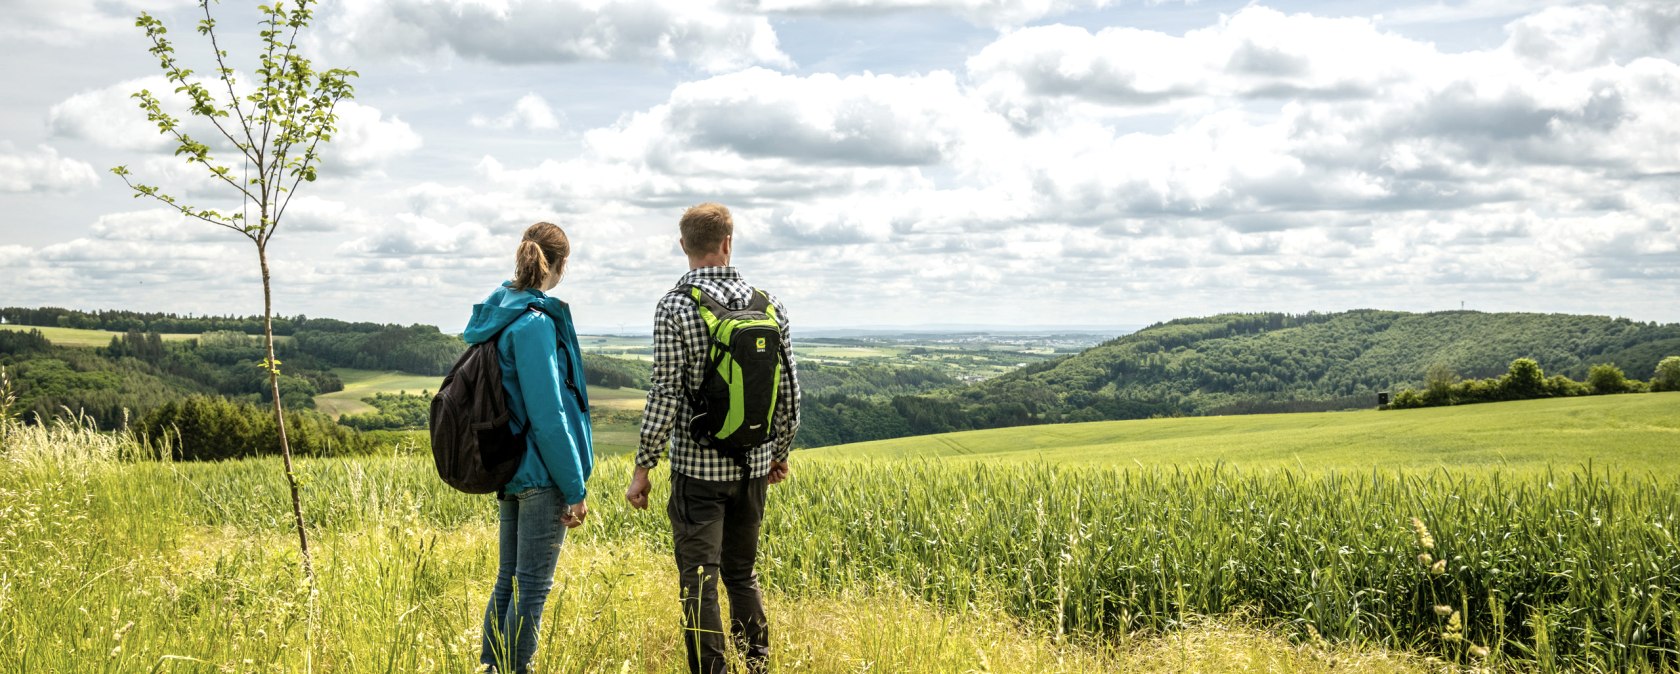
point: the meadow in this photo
(359, 384)
(86, 338)
(110, 561)
(1638, 433)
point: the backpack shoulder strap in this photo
(761, 303)
(704, 300)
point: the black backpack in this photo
(736, 403)
(473, 442)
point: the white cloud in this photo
(991, 12)
(317, 215)
(1257, 53)
(75, 22)
(699, 32)
(407, 235)
(43, 170)
(158, 225)
(530, 113)
(761, 136)
(110, 117)
(366, 138)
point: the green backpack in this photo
(736, 402)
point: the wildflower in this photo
(1425, 560)
(1425, 540)
(1438, 568)
(1443, 610)
(1479, 651)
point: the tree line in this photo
(1525, 380)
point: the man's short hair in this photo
(704, 227)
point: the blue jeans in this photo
(531, 533)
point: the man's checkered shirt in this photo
(680, 346)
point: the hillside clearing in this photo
(89, 338)
(359, 384)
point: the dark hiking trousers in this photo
(715, 527)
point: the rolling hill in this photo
(1251, 363)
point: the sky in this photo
(1003, 163)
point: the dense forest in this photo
(1244, 363)
(139, 372)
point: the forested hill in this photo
(1241, 363)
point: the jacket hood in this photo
(501, 308)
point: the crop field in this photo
(843, 352)
(911, 564)
(618, 346)
(1635, 433)
(628, 399)
(359, 384)
(89, 338)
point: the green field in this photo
(630, 399)
(114, 563)
(1635, 432)
(80, 337)
(88, 338)
(1232, 546)
(359, 384)
(836, 352)
(618, 346)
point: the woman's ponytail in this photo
(543, 248)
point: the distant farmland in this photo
(1636, 433)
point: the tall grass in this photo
(1585, 560)
(1573, 571)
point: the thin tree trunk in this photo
(280, 415)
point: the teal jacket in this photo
(539, 355)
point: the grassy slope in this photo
(360, 384)
(610, 438)
(79, 337)
(90, 338)
(1638, 433)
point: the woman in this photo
(542, 372)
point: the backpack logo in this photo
(761, 345)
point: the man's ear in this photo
(728, 247)
(682, 244)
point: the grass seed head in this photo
(1438, 568)
(1424, 539)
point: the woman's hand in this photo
(575, 514)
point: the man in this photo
(717, 501)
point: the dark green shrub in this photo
(200, 428)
